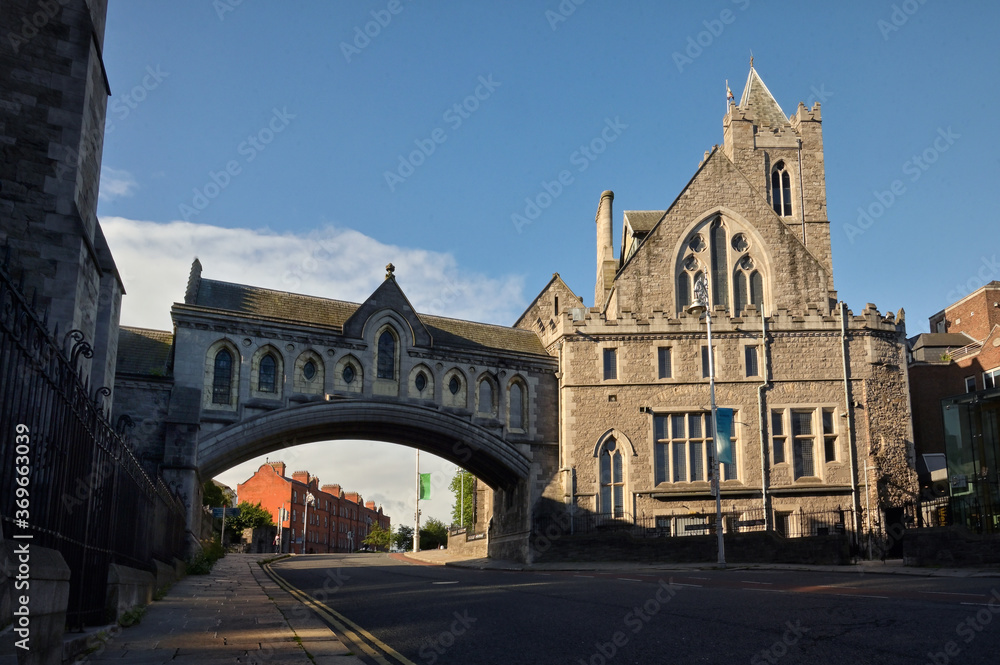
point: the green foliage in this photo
(463, 483)
(378, 538)
(213, 496)
(402, 537)
(252, 516)
(202, 562)
(132, 617)
(433, 535)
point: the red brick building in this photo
(337, 521)
(954, 374)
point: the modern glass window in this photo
(267, 380)
(386, 356)
(991, 379)
(750, 356)
(970, 384)
(610, 364)
(803, 444)
(663, 364)
(222, 378)
(612, 483)
(778, 438)
(781, 190)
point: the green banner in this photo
(724, 434)
(425, 486)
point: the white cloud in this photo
(154, 260)
(116, 183)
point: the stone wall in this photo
(952, 546)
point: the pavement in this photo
(238, 614)
(235, 614)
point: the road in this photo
(444, 615)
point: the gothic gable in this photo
(719, 195)
(388, 296)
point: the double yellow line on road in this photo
(351, 632)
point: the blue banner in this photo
(724, 435)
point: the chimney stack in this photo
(606, 263)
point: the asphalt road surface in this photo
(439, 615)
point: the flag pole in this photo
(416, 513)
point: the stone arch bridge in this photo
(248, 371)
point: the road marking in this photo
(752, 582)
(979, 604)
(691, 585)
(860, 595)
(629, 579)
(583, 576)
(344, 626)
(953, 593)
(700, 578)
(448, 582)
(753, 588)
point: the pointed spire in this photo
(194, 283)
(759, 100)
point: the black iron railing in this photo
(86, 493)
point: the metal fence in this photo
(85, 493)
(790, 525)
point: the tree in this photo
(463, 482)
(213, 496)
(378, 538)
(433, 535)
(402, 538)
(252, 516)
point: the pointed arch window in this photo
(267, 375)
(720, 267)
(516, 397)
(386, 355)
(781, 190)
(222, 377)
(486, 397)
(612, 494)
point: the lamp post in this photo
(702, 305)
(305, 521)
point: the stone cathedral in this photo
(822, 419)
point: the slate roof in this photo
(258, 302)
(761, 102)
(143, 352)
(941, 340)
(643, 221)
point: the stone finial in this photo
(389, 270)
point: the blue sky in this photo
(287, 136)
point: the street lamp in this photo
(305, 519)
(699, 307)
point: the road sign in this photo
(230, 512)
